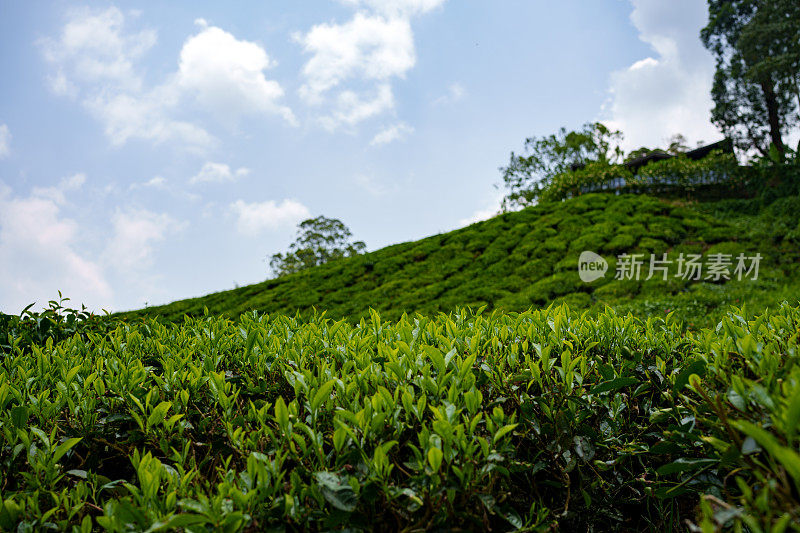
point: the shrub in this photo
(654, 246)
(541, 420)
(512, 253)
(716, 175)
(622, 242)
(55, 322)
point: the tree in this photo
(756, 44)
(319, 240)
(677, 145)
(640, 152)
(526, 175)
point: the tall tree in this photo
(756, 44)
(527, 174)
(319, 240)
(677, 144)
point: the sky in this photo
(154, 151)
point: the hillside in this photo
(529, 258)
(448, 421)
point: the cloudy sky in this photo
(154, 151)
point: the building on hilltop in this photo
(725, 146)
(669, 180)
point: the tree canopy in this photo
(677, 145)
(756, 44)
(319, 240)
(545, 157)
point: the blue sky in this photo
(154, 151)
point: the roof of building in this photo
(726, 145)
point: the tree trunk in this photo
(772, 114)
(797, 92)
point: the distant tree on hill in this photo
(677, 145)
(527, 174)
(756, 44)
(319, 240)
(639, 152)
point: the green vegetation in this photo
(55, 322)
(756, 88)
(319, 240)
(537, 420)
(529, 258)
(677, 146)
(529, 174)
(445, 383)
(717, 174)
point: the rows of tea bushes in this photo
(542, 420)
(529, 258)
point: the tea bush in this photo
(530, 256)
(56, 321)
(537, 420)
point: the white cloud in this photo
(94, 48)
(95, 58)
(57, 193)
(5, 141)
(61, 86)
(491, 209)
(669, 93)
(455, 93)
(135, 233)
(156, 182)
(144, 117)
(478, 216)
(218, 173)
(253, 218)
(43, 251)
(40, 252)
(160, 183)
(226, 75)
(368, 47)
(372, 48)
(353, 107)
(392, 133)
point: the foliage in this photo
(677, 145)
(773, 36)
(777, 176)
(686, 175)
(757, 48)
(55, 322)
(541, 420)
(319, 240)
(529, 257)
(742, 416)
(545, 157)
(679, 176)
(592, 177)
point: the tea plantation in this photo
(467, 381)
(539, 420)
(529, 258)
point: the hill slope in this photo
(529, 258)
